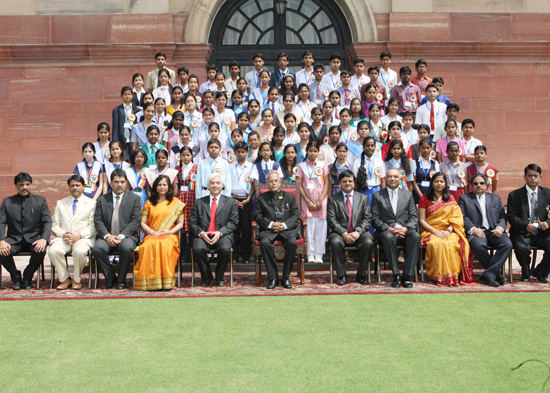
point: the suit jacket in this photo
(129, 215)
(118, 123)
(276, 77)
(337, 213)
(227, 215)
(82, 222)
(471, 209)
(518, 209)
(27, 219)
(383, 215)
(277, 207)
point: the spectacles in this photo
(478, 183)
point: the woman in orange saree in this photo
(443, 235)
(161, 220)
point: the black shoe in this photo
(272, 284)
(120, 285)
(539, 277)
(489, 282)
(286, 283)
(407, 282)
(342, 280)
(205, 283)
(362, 280)
(27, 285)
(16, 285)
(240, 259)
(107, 285)
(500, 279)
(220, 283)
(396, 281)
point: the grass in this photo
(376, 343)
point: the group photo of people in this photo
(335, 161)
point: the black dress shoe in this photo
(107, 285)
(16, 285)
(342, 280)
(500, 279)
(240, 259)
(272, 284)
(27, 285)
(120, 285)
(407, 282)
(537, 275)
(362, 280)
(488, 281)
(220, 283)
(205, 283)
(286, 283)
(396, 283)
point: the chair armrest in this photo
(254, 230)
(303, 221)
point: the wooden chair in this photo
(67, 255)
(40, 270)
(301, 241)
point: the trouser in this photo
(243, 233)
(522, 248)
(222, 247)
(79, 250)
(411, 241)
(337, 245)
(480, 247)
(316, 236)
(267, 248)
(35, 261)
(125, 249)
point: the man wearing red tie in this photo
(213, 219)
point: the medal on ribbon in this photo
(94, 179)
(354, 137)
(311, 80)
(433, 154)
(108, 154)
(178, 157)
(193, 178)
(143, 176)
(490, 174)
(413, 101)
(132, 118)
(199, 100)
(383, 134)
(248, 179)
(217, 171)
(319, 172)
(459, 152)
(390, 85)
(432, 173)
(228, 95)
(379, 97)
(378, 172)
(270, 138)
(461, 174)
(231, 158)
(195, 123)
(402, 173)
(339, 84)
(326, 140)
(261, 123)
(226, 121)
(362, 83)
(352, 96)
(326, 93)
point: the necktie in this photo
(258, 83)
(533, 207)
(266, 169)
(126, 129)
(74, 206)
(213, 210)
(273, 107)
(350, 212)
(394, 201)
(115, 225)
(432, 118)
(484, 220)
(318, 91)
(370, 166)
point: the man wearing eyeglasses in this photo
(528, 215)
(485, 222)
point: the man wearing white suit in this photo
(73, 227)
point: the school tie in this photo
(258, 83)
(273, 107)
(484, 220)
(350, 213)
(370, 166)
(213, 210)
(432, 118)
(534, 204)
(74, 206)
(115, 224)
(318, 90)
(394, 201)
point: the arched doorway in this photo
(244, 27)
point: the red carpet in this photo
(317, 283)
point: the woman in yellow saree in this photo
(161, 220)
(443, 235)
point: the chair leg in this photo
(192, 270)
(302, 262)
(37, 276)
(534, 259)
(179, 270)
(258, 270)
(231, 267)
(422, 265)
(378, 264)
(510, 267)
(52, 275)
(330, 266)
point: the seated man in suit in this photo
(528, 215)
(29, 226)
(73, 227)
(213, 219)
(349, 229)
(277, 215)
(117, 218)
(484, 223)
(395, 219)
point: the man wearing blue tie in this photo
(279, 74)
(253, 77)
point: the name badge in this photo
(371, 182)
(453, 188)
(425, 184)
(311, 186)
(408, 103)
(184, 188)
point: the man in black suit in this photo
(213, 219)
(29, 226)
(352, 231)
(122, 125)
(485, 222)
(117, 218)
(528, 215)
(395, 219)
(277, 215)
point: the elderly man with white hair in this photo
(213, 218)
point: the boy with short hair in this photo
(468, 128)
(387, 75)
(374, 73)
(306, 73)
(432, 112)
(122, 125)
(455, 171)
(183, 75)
(282, 71)
(242, 192)
(451, 112)
(332, 79)
(439, 82)
(234, 71)
(409, 95)
(421, 80)
(347, 92)
(210, 84)
(359, 79)
(153, 76)
(317, 88)
(213, 163)
(253, 77)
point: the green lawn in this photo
(375, 343)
